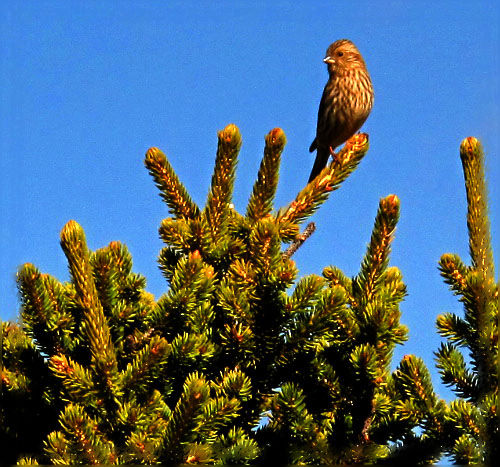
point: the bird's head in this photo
(343, 55)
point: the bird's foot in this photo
(333, 154)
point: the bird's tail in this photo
(322, 156)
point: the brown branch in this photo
(297, 243)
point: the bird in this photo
(345, 104)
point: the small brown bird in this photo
(346, 102)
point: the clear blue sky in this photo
(87, 87)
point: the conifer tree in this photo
(238, 362)
(318, 358)
(341, 403)
(84, 371)
(473, 418)
(128, 379)
(232, 266)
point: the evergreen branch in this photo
(36, 303)
(466, 417)
(264, 189)
(235, 448)
(336, 277)
(83, 438)
(377, 256)
(17, 352)
(306, 292)
(75, 378)
(191, 284)
(199, 237)
(56, 448)
(221, 191)
(120, 292)
(136, 416)
(121, 259)
(455, 329)
(95, 325)
(451, 366)
(394, 287)
(152, 356)
(194, 395)
(233, 383)
(454, 272)
(200, 320)
(235, 302)
(481, 312)
(243, 274)
(198, 453)
(214, 415)
(187, 235)
(301, 439)
(141, 448)
(363, 359)
(107, 279)
(171, 189)
(193, 278)
(175, 233)
(315, 193)
(287, 273)
(299, 240)
(327, 377)
(479, 329)
(367, 374)
(382, 315)
(264, 247)
(146, 423)
(479, 296)
(114, 256)
(472, 156)
(167, 260)
(186, 348)
(290, 231)
(238, 342)
(14, 380)
(414, 381)
(317, 329)
(466, 451)
(387, 313)
(44, 312)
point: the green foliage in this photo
(239, 361)
(327, 339)
(97, 384)
(475, 419)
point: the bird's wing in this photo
(326, 121)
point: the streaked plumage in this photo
(346, 102)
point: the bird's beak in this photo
(329, 59)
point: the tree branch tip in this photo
(71, 227)
(358, 141)
(230, 134)
(390, 204)
(155, 153)
(276, 137)
(469, 148)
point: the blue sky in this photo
(87, 87)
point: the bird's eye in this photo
(339, 54)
